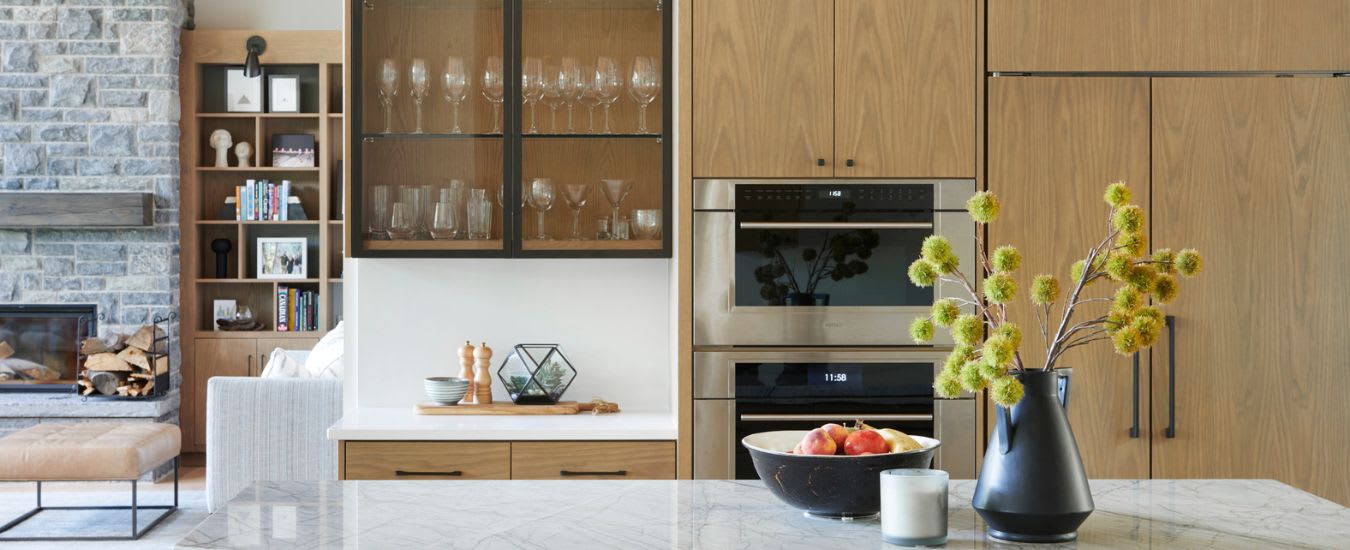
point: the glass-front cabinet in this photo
(510, 128)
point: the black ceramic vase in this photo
(1032, 487)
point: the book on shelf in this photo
(263, 200)
(297, 310)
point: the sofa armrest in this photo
(271, 429)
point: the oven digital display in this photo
(835, 375)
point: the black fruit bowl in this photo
(838, 487)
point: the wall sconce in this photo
(255, 46)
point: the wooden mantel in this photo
(29, 209)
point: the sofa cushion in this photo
(92, 451)
(325, 360)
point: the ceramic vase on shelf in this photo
(1032, 487)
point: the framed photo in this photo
(294, 151)
(283, 93)
(242, 94)
(223, 309)
(282, 258)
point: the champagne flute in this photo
(616, 191)
(569, 79)
(608, 85)
(455, 86)
(388, 91)
(642, 86)
(553, 85)
(588, 96)
(541, 198)
(493, 83)
(532, 87)
(575, 195)
(420, 81)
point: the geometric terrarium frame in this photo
(536, 374)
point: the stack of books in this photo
(297, 309)
(261, 200)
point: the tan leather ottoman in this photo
(90, 452)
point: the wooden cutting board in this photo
(563, 407)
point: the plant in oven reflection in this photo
(794, 282)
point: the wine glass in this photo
(615, 192)
(553, 85)
(420, 81)
(455, 86)
(532, 87)
(647, 223)
(607, 85)
(575, 195)
(569, 80)
(493, 83)
(642, 86)
(388, 91)
(541, 198)
(586, 95)
(403, 221)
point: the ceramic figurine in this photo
(221, 142)
(483, 383)
(466, 371)
(244, 151)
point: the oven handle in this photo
(836, 225)
(835, 417)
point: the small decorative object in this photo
(221, 142)
(482, 382)
(283, 93)
(282, 258)
(466, 372)
(536, 374)
(243, 151)
(295, 211)
(444, 390)
(224, 309)
(293, 150)
(914, 507)
(1019, 497)
(222, 249)
(242, 94)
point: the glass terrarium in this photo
(536, 374)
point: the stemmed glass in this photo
(388, 91)
(554, 84)
(616, 191)
(569, 84)
(421, 83)
(642, 86)
(607, 85)
(532, 87)
(493, 83)
(587, 95)
(575, 195)
(541, 198)
(455, 85)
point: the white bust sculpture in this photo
(221, 142)
(243, 151)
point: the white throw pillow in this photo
(325, 360)
(282, 365)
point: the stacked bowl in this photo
(445, 390)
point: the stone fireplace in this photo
(39, 345)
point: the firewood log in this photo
(105, 382)
(87, 391)
(122, 390)
(5, 350)
(106, 362)
(162, 364)
(111, 343)
(135, 356)
(149, 385)
(144, 339)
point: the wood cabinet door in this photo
(593, 460)
(763, 88)
(1054, 145)
(217, 357)
(1252, 172)
(421, 460)
(904, 88)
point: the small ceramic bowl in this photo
(445, 390)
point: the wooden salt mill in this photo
(482, 385)
(466, 353)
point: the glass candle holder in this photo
(914, 507)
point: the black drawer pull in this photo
(570, 473)
(455, 473)
(849, 163)
(820, 162)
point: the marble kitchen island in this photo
(729, 514)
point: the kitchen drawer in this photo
(427, 460)
(593, 460)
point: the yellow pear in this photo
(898, 441)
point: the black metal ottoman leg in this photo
(133, 510)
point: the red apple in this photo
(817, 442)
(837, 433)
(865, 442)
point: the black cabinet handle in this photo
(849, 163)
(570, 473)
(405, 473)
(1171, 430)
(820, 162)
(1134, 427)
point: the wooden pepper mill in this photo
(466, 353)
(482, 385)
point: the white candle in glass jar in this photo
(914, 507)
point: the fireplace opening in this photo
(39, 345)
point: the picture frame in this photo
(243, 94)
(223, 309)
(283, 93)
(282, 258)
(294, 151)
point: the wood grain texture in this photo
(763, 88)
(1252, 172)
(587, 161)
(548, 459)
(33, 209)
(214, 357)
(374, 460)
(683, 243)
(498, 409)
(1054, 145)
(904, 88)
(1169, 35)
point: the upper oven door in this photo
(819, 263)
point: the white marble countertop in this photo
(730, 514)
(405, 424)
